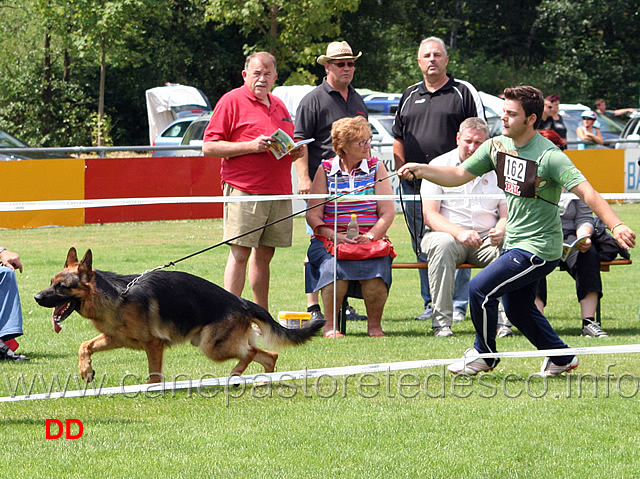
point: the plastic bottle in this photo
(353, 229)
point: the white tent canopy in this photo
(163, 104)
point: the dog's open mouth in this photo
(62, 312)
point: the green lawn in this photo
(415, 423)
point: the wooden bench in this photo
(604, 266)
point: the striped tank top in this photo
(361, 179)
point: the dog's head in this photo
(69, 288)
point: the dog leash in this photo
(204, 250)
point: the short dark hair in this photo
(553, 97)
(530, 98)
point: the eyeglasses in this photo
(342, 64)
(363, 143)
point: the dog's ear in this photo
(85, 268)
(72, 258)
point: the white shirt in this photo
(479, 214)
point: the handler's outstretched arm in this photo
(624, 235)
(440, 175)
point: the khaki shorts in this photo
(243, 216)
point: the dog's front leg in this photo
(155, 355)
(101, 342)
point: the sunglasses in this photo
(363, 143)
(343, 64)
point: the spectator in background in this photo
(426, 125)
(334, 99)
(587, 133)
(582, 264)
(10, 308)
(601, 108)
(551, 119)
(240, 132)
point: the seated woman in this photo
(587, 133)
(353, 169)
(583, 265)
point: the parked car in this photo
(381, 125)
(382, 102)
(7, 140)
(572, 117)
(631, 131)
(194, 135)
(174, 132)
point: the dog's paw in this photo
(87, 374)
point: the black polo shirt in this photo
(427, 122)
(316, 113)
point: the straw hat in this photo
(338, 51)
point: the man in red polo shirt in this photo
(240, 132)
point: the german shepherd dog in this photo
(161, 309)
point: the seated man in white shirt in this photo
(462, 230)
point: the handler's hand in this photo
(410, 171)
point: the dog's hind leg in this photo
(101, 342)
(155, 355)
(266, 358)
(242, 365)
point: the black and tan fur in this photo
(164, 308)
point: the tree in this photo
(104, 27)
(292, 30)
(592, 50)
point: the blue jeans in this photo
(10, 309)
(413, 216)
(461, 290)
(514, 277)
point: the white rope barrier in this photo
(279, 377)
(158, 200)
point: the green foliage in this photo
(293, 30)
(589, 43)
(50, 51)
(101, 127)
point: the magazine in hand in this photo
(568, 248)
(282, 144)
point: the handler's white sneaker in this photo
(470, 364)
(551, 369)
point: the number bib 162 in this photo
(516, 175)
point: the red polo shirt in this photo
(240, 116)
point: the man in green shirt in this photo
(532, 171)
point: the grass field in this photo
(417, 423)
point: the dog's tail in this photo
(275, 335)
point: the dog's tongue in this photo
(56, 327)
(56, 313)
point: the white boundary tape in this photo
(312, 373)
(110, 202)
